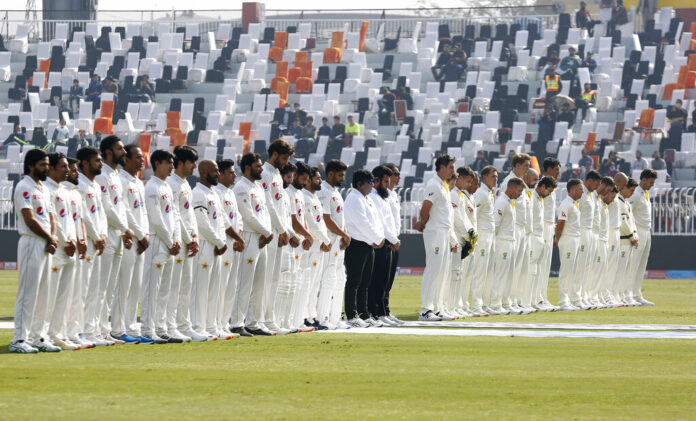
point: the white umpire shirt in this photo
(360, 221)
(385, 216)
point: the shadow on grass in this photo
(5, 349)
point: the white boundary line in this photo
(558, 326)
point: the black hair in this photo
(54, 158)
(392, 166)
(631, 183)
(72, 161)
(380, 171)
(107, 143)
(444, 159)
(159, 156)
(129, 148)
(184, 153)
(32, 157)
(465, 172)
(86, 154)
(608, 181)
(313, 171)
(572, 183)
(334, 165)
(303, 168)
(361, 177)
(224, 164)
(550, 163)
(547, 182)
(288, 168)
(488, 169)
(648, 173)
(281, 147)
(248, 159)
(593, 175)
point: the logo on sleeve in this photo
(277, 196)
(93, 209)
(231, 215)
(116, 200)
(25, 195)
(563, 214)
(500, 212)
(339, 209)
(299, 212)
(214, 214)
(74, 216)
(136, 204)
(166, 209)
(186, 205)
(40, 210)
(265, 186)
(258, 208)
(318, 218)
(470, 209)
(62, 213)
(103, 189)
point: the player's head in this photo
(489, 176)
(288, 172)
(279, 152)
(520, 164)
(546, 186)
(592, 180)
(335, 172)
(444, 166)
(514, 188)
(647, 178)
(227, 174)
(112, 150)
(185, 158)
(574, 187)
(303, 175)
(552, 167)
(134, 160)
(209, 172)
(58, 166)
(162, 163)
(36, 164)
(251, 166)
(90, 160)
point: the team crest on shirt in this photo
(454, 205)
(40, 210)
(437, 250)
(470, 209)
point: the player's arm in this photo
(424, 215)
(560, 224)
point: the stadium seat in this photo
(103, 124)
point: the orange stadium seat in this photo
(304, 85)
(103, 124)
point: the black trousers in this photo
(379, 282)
(359, 260)
(392, 275)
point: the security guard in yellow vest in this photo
(587, 99)
(552, 83)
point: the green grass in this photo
(313, 376)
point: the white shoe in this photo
(452, 315)
(357, 322)
(444, 316)
(66, 345)
(499, 310)
(386, 321)
(396, 320)
(342, 325)
(178, 335)
(273, 327)
(80, 341)
(374, 322)
(22, 347)
(511, 310)
(581, 305)
(567, 307)
(526, 310)
(44, 345)
(232, 334)
(631, 302)
(429, 316)
(553, 308)
(282, 331)
(112, 341)
(488, 310)
(97, 341)
(645, 302)
(195, 336)
(478, 312)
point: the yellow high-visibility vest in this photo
(552, 83)
(587, 96)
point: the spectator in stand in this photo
(325, 129)
(300, 114)
(640, 163)
(569, 65)
(589, 62)
(677, 113)
(145, 89)
(296, 129)
(76, 93)
(17, 136)
(657, 162)
(309, 130)
(619, 16)
(61, 133)
(338, 128)
(547, 124)
(94, 91)
(480, 162)
(584, 20)
(507, 166)
(404, 94)
(459, 56)
(587, 99)
(352, 127)
(111, 87)
(81, 139)
(585, 159)
(567, 115)
(548, 61)
(612, 159)
(568, 173)
(552, 83)
(612, 170)
(585, 170)
(442, 61)
(386, 103)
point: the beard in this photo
(72, 181)
(298, 185)
(256, 175)
(382, 191)
(42, 176)
(213, 181)
(317, 186)
(96, 171)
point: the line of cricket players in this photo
(262, 256)
(497, 249)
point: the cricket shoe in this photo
(429, 316)
(444, 316)
(318, 326)
(96, 341)
(306, 329)
(44, 345)
(229, 332)
(478, 312)
(488, 310)
(568, 307)
(241, 331)
(642, 301)
(145, 340)
(386, 321)
(526, 310)
(328, 326)
(580, 305)
(631, 302)
(79, 341)
(223, 336)
(107, 337)
(22, 347)
(170, 339)
(156, 339)
(127, 339)
(357, 322)
(195, 336)
(396, 320)
(260, 331)
(66, 345)
(342, 325)
(273, 327)
(506, 310)
(373, 322)
(176, 334)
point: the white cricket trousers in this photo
(437, 267)
(536, 246)
(301, 282)
(327, 279)
(62, 280)
(505, 253)
(158, 266)
(229, 272)
(584, 265)
(127, 294)
(252, 275)
(274, 256)
(483, 270)
(568, 255)
(286, 287)
(612, 273)
(95, 284)
(205, 293)
(179, 310)
(625, 277)
(518, 284)
(317, 262)
(32, 263)
(75, 310)
(453, 300)
(545, 262)
(339, 288)
(639, 261)
(468, 273)
(601, 273)
(111, 264)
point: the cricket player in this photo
(164, 241)
(585, 263)
(603, 283)
(288, 266)
(334, 278)
(235, 243)
(257, 234)
(629, 244)
(483, 258)
(591, 295)
(118, 233)
(620, 180)
(520, 165)
(640, 201)
(279, 152)
(464, 230)
(382, 263)
(543, 188)
(436, 220)
(298, 277)
(178, 306)
(62, 272)
(362, 227)
(395, 203)
(314, 218)
(506, 245)
(552, 169)
(95, 223)
(567, 239)
(124, 317)
(468, 267)
(37, 242)
(75, 322)
(206, 294)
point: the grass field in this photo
(315, 376)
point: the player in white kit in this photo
(585, 263)
(543, 188)
(464, 230)
(567, 239)
(591, 293)
(483, 257)
(642, 209)
(629, 242)
(620, 180)
(552, 169)
(603, 281)
(37, 241)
